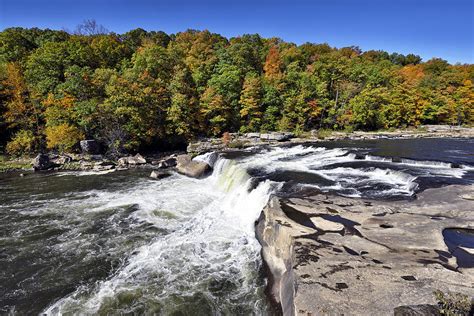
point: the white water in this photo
(351, 181)
(211, 244)
(207, 256)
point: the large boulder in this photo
(90, 147)
(132, 160)
(42, 162)
(191, 168)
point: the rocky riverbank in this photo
(331, 255)
(237, 140)
(91, 159)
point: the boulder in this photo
(132, 160)
(252, 135)
(191, 168)
(277, 136)
(103, 168)
(165, 163)
(204, 146)
(157, 174)
(42, 162)
(90, 147)
(103, 165)
(60, 159)
(209, 158)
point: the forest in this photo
(142, 89)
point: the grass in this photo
(9, 164)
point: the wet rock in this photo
(157, 174)
(132, 160)
(90, 147)
(191, 168)
(42, 162)
(416, 310)
(165, 163)
(359, 157)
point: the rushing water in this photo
(88, 243)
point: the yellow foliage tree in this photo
(63, 137)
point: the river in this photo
(122, 243)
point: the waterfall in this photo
(121, 242)
(211, 258)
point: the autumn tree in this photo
(22, 114)
(273, 64)
(251, 104)
(136, 90)
(182, 115)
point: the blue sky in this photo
(429, 28)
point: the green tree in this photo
(182, 115)
(251, 104)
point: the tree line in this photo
(136, 90)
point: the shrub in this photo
(323, 133)
(22, 143)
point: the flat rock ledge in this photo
(331, 255)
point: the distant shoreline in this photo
(239, 141)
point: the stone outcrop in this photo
(331, 255)
(132, 160)
(42, 162)
(205, 145)
(277, 136)
(165, 163)
(60, 159)
(280, 138)
(191, 168)
(103, 165)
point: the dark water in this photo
(456, 239)
(451, 150)
(120, 243)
